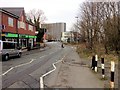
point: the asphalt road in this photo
(25, 72)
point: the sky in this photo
(54, 10)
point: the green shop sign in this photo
(11, 35)
(26, 36)
(23, 36)
(20, 35)
(32, 36)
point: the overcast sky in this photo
(55, 10)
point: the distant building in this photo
(54, 30)
(67, 37)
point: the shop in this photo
(9, 37)
(24, 40)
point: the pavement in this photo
(72, 73)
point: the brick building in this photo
(17, 28)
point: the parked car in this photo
(9, 49)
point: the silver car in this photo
(9, 49)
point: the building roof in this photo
(15, 10)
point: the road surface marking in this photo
(43, 56)
(24, 63)
(41, 78)
(16, 67)
(7, 71)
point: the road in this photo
(25, 72)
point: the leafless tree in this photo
(99, 24)
(36, 16)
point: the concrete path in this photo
(72, 74)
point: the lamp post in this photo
(77, 29)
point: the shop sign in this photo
(23, 36)
(11, 35)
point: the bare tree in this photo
(36, 16)
(99, 24)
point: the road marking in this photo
(7, 71)
(24, 63)
(41, 78)
(16, 67)
(43, 56)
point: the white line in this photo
(24, 63)
(20, 66)
(16, 67)
(41, 78)
(43, 56)
(7, 71)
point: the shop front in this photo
(9, 37)
(24, 40)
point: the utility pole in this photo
(77, 30)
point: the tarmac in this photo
(73, 73)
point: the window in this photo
(31, 27)
(10, 21)
(22, 25)
(18, 24)
(7, 45)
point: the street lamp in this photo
(77, 28)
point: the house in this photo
(17, 28)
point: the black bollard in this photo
(103, 67)
(112, 74)
(93, 63)
(96, 60)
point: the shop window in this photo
(10, 21)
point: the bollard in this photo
(103, 67)
(93, 63)
(112, 74)
(96, 59)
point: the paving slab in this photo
(71, 74)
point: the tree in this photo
(37, 17)
(99, 24)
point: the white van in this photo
(9, 49)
